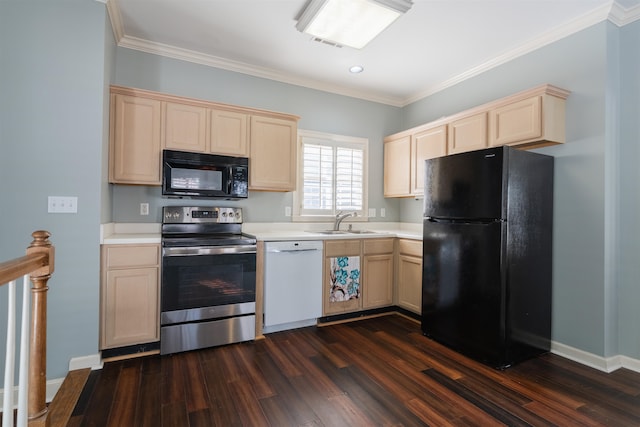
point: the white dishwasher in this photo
(292, 284)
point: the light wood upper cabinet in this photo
(273, 154)
(142, 123)
(229, 133)
(529, 119)
(426, 144)
(134, 150)
(129, 295)
(535, 121)
(397, 158)
(185, 127)
(404, 156)
(467, 133)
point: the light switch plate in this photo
(62, 204)
(287, 211)
(372, 212)
(383, 212)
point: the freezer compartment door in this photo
(466, 185)
(463, 296)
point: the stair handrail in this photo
(38, 263)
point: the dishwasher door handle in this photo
(286, 251)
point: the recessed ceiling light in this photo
(356, 69)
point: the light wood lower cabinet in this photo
(358, 274)
(377, 273)
(409, 275)
(342, 284)
(129, 296)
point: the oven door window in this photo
(207, 280)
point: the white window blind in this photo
(331, 175)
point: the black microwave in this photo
(199, 175)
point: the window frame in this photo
(337, 141)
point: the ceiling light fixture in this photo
(356, 69)
(351, 23)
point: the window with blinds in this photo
(331, 175)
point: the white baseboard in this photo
(92, 361)
(605, 364)
(52, 386)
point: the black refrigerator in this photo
(487, 254)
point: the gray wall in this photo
(56, 60)
(51, 143)
(628, 296)
(318, 111)
(596, 291)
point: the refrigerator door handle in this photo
(481, 221)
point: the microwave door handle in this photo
(229, 179)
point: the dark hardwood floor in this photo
(378, 371)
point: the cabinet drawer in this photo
(377, 246)
(410, 247)
(341, 247)
(123, 256)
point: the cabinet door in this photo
(185, 127)
(377, 279)
(426, 145)
(397, 154)
(130, 307)
(272, 159)
(516, 122)
(468, 133)
(229, 133)
(342, 285)
(135, 140)
(410, 283)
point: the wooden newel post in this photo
(38, 347)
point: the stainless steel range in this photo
(208, 288)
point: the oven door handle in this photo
(209, 250)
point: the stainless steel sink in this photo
(341, 231)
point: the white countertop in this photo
(139, 233)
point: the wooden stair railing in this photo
(38, 263)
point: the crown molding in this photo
(249, 69)
(595, 16)
(612, 11)
(116, 19)
(621, 16)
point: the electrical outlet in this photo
(372, 212)
(62, 204)
(144, 208)
(287, 211)
(383, 212)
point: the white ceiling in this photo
(434, 45)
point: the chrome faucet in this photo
(341, 216)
